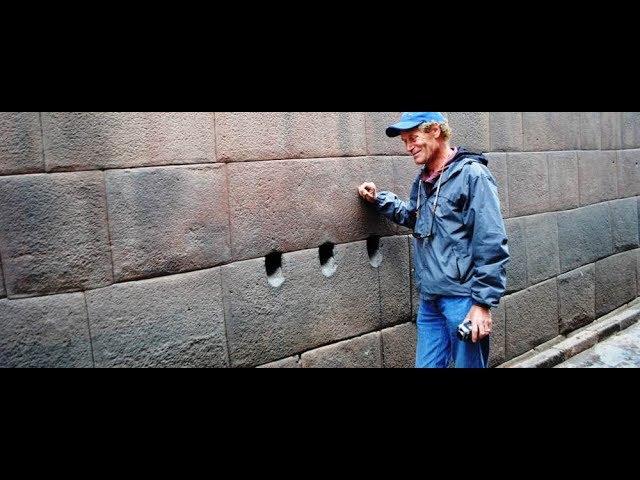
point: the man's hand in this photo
(481, 322)
(368, 191)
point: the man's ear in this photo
(436, 130)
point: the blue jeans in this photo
(438, 345)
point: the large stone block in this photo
(470, 130)
(245, 136)
(98, 140)
(564, 192)
(399, 346)
(377, 141)
(290, 362)
(541, 233)
(506, 131)
(361, 352)
(292, 205)
(167, 220)
(576, 291)
(630, 129)
(544, 131)
(528, 183)
(532, 317)
(628, 173)
(624, 224)
(50, 331)
(598, 177)
(517, 267)
(53, 234)
(175, 321)
(394, 272)
(590, 131)
(498, 167)
(497, 354)
(611, 123)
(20, 143)
(304, 310)
(584, 236)
(616, 281)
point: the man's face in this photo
(421, 145)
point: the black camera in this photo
(465, 330)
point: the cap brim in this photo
(398, 128)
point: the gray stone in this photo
(3, 291)
(628, 173)
(361, 352)
(53, 234)
(498, 167)
(517, 266)
(541, 233)
(584, 236)
(245, 136)
(598, 177)
(167, 220)
(580, 342)
(532, 317)
(470, 130)
(506, 131)
(564, 191)
(544, 131)
(576, 291)
(590, 131)
(98, 140)
(291, 362)
(616, 282)
(630, 129)
(611, 123)
(394, 273)
(295, 205)
(307, 310)
(20, 143)
(545, 359)
(175, 321)
(377, 141)
(624, 224)
(528, 183)
(44, 332)
(399, 346)
(497, 353)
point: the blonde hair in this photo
(444, 127)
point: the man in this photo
(460, 244)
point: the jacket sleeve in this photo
(489, 238)
(402, 213)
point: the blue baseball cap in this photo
(410, 120)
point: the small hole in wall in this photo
(273, 267)
(327, 259)
(373, 249)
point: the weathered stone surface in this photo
(175, 321)
(3, 291)
(611, 123)
(245, 136)
(532, 317)
(167, 220)
(394, 272)
(97, 140)
(628, 173)
(544, 131)
(20, 143)
(498, 167)
(584, 236)
(506, 131)
(399, 346)
(470, 130)
(517, 266)
(50, 331)
(545, 359)
(616, 282)
(290, 362)
(360, 352)
(630, 129)
(528, 183)
(564, 192)
(53, 234)
(598, 177)
(307, 310)
(541, 233)
(293, 205)
(590, 131)
(576, 291)
(624, 224)
(377, 141)
(497, 353)
(577, 343)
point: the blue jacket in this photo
(461, 249)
